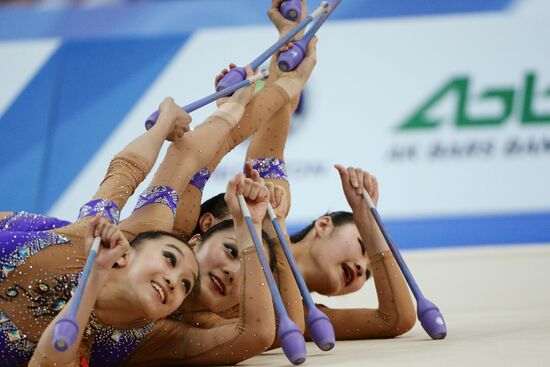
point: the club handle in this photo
(290, 336)
(235, 75)
(290, 258)
(319, 325)
(262, 74)
(429, 315)
(393, 248)
(66, 329)
(290, 59)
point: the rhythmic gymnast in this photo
(332, 252)
(40, 269)
(149, 208)
(217, 340)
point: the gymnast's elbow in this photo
(259, 338)
(403, 319)
(264, 338)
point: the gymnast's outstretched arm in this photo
(213, 340)
(279, 90)
(395, 313)
(128, 169)
(157, 205)
(266, 153)
(264, 104)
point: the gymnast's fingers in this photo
(271, 189)
(254, 190)
(343, 172)
(375, 194)
(360, 180)
(248, 169)
(110, 234)
(308, 63)
(263, 195)
(353, 177)
(311, 52)
(247, 186)
(280, 194)
(220, 76)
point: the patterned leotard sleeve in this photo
(259, 111)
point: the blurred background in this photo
(446, 102)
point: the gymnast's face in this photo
(218, 257)
(161, 272)
(340, 255)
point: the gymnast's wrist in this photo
(231, 111)
(290, 84)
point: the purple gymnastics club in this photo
(291, 9)
(289, 60)
(290, 336)
(320, 328)
(429, 315)
(65, 331)
(152, 119)
(235, 75)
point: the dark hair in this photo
(151, 235)
(216, 206)
(338, 218)
(229, 224)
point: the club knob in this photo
(234, 76)
(151, 120)
(431, 319)
(65, 333)
(292, 341)
(290, 59)
(291, 9)
(320, 329)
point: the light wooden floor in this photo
(495, 300)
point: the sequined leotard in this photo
(25, 222)
(40, 271)
(202, 337)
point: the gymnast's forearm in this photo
(253, 282)
(188, 211)
(290, 293)
(395, 314)
(196, 148)
(254, 331)
(264, 104)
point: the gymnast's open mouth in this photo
(217, 284)
(349, 274)
(161, 291)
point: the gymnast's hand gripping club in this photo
(152, 119)
(291, 9)
(429, 315)
(290, 336)
(235, 75)
(318, 323)
(65, 331)
(290, 59)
